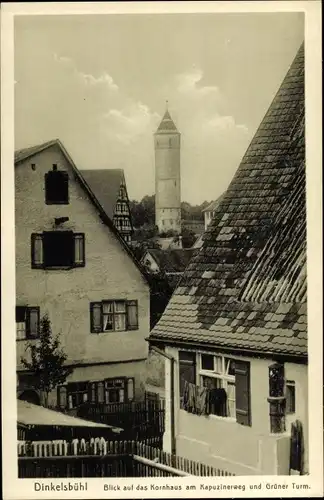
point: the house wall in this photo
(65, 295)
(222, 442)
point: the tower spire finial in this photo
(166, 104)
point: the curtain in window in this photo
(120, 316)
(107, 309)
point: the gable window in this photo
(27, 322)
(114, 315)
(57, 250)
(56, 187)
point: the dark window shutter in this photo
(187, 369)
(62, 397)
(243, 396)
(96, 325)
(79, 250)
(37, 250)
(132, 314)
(130, 389)
(32, 322)
(21, 314)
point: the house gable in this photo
(110, 272)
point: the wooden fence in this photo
(141, 421)
(101, 458)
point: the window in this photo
(76, 394)
(187, 369)
(122, 192)
(223, 386)
(56, 187)
(277, 398)
(114, 315)
(290, 396)
(27, 322)
(115, 390)
(217, 374)
(57, 250)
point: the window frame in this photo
(128, 326)
(223, 376)
(90, 389)
(27, 331)
(40, 264)
(291, 399)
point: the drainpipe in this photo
(172, 415)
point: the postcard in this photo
(161, 250)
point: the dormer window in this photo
(56, 187)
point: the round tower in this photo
(167, 176)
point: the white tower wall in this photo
(167, 176)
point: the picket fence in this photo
(125, 458)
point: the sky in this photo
(100, 83)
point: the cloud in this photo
(224, 123)
(62, 59)
(130, 122)
(188, 83)
(103, 79)
(87, 78)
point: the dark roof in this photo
(214, 204)
(22, 154)
(167, 125)
(172, 260)
(105, 184)
(245, 289)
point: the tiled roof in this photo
(22, 154)
(172, 260)
(214, 204)
(167, 125)
(246, 287)
(105, 184)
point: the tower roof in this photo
(167, 125)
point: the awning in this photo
(29, 414)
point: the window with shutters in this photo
(56, 187)
(113, 316)
(27, 322)
(217, 373)
(114, 390)
(57, 250)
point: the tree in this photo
(47, 360)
